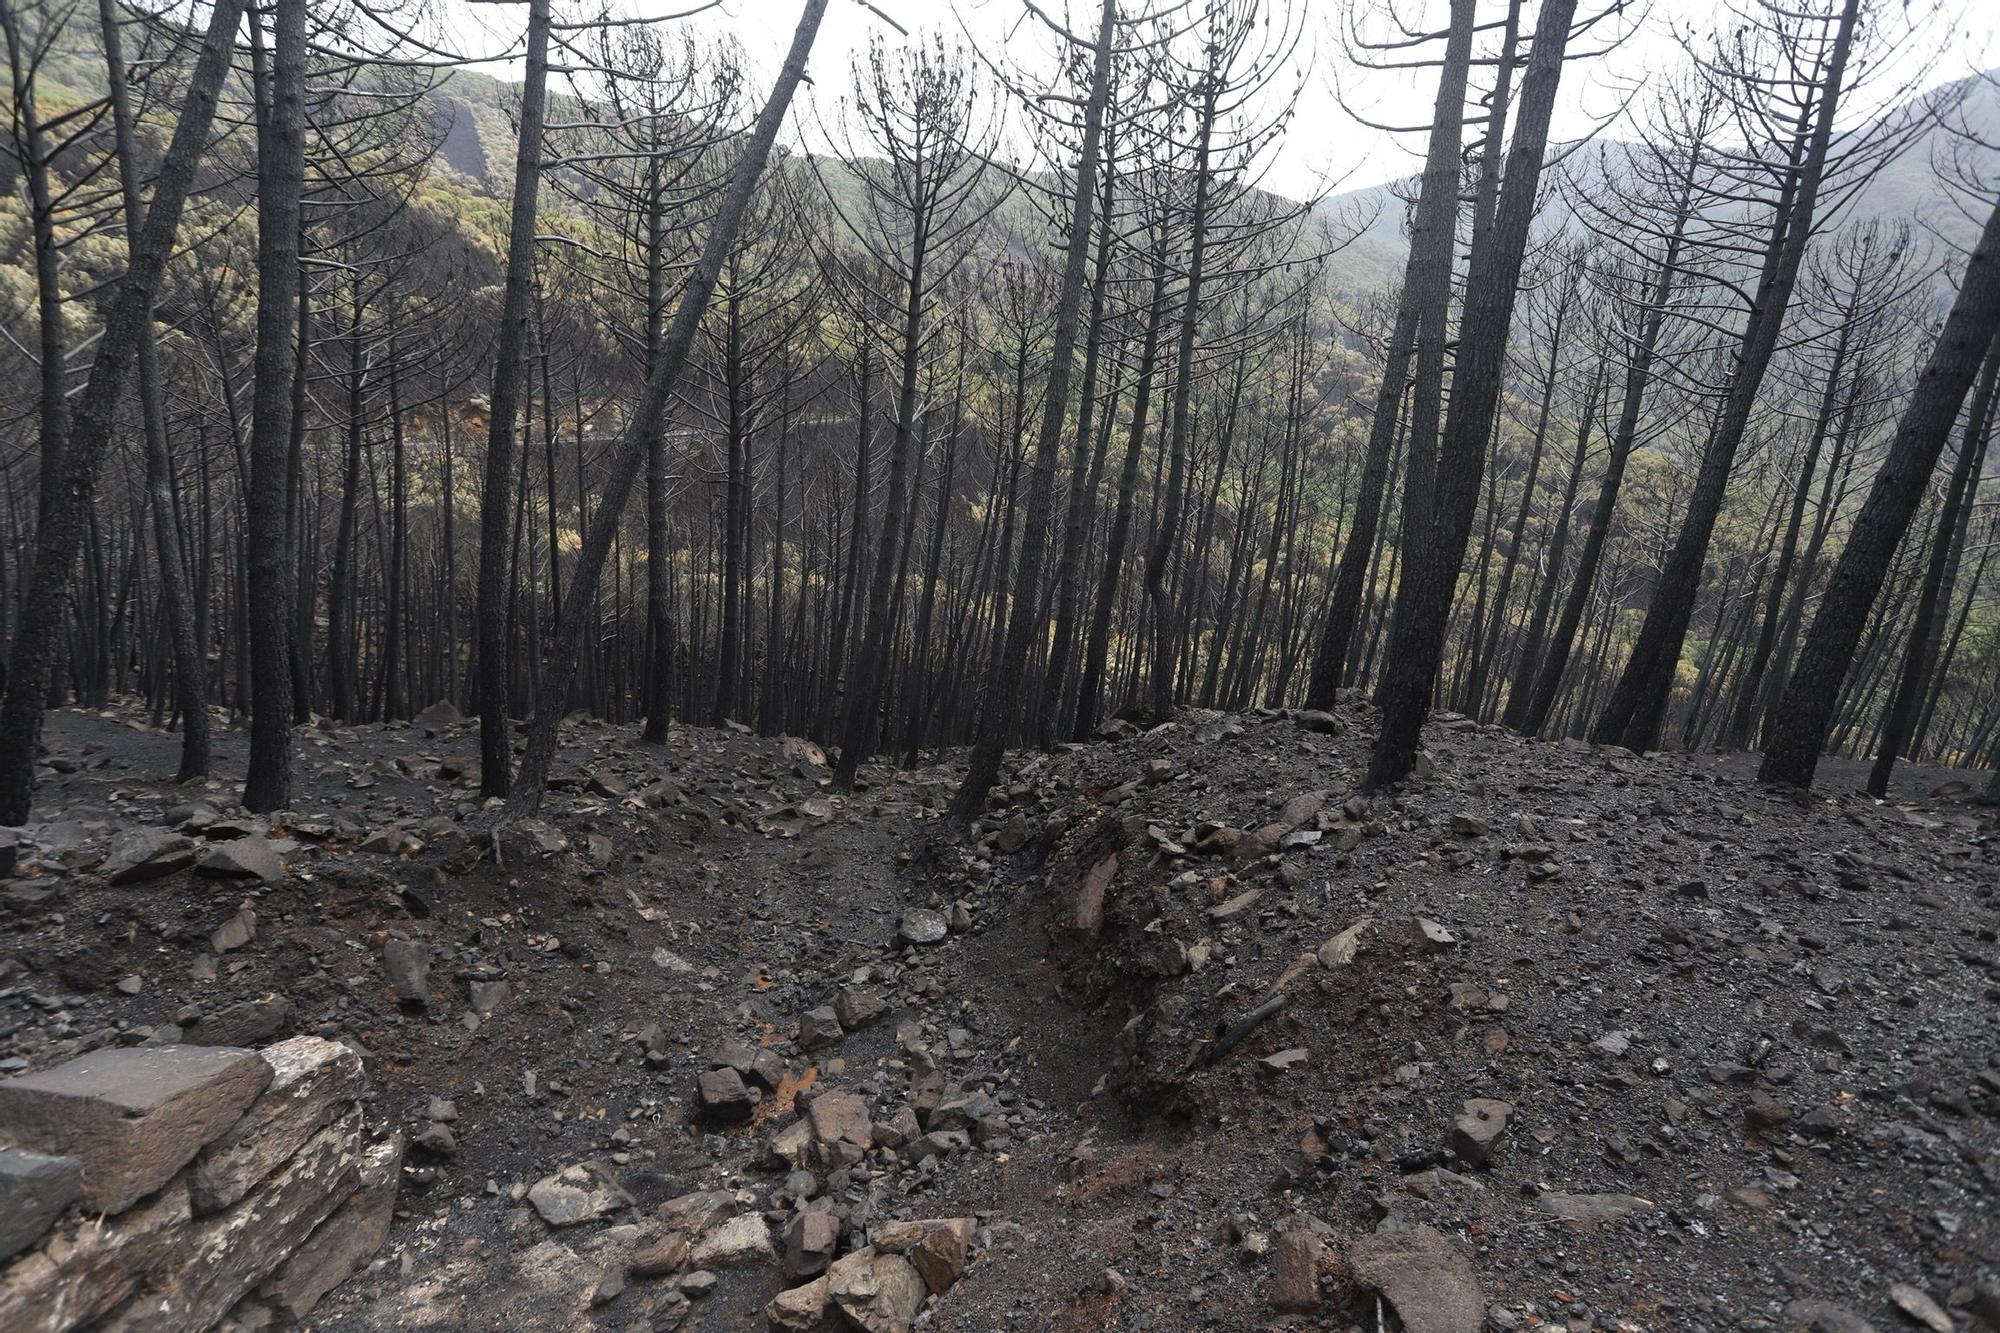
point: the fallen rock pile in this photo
(165, 1187)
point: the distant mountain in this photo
(1907, 189)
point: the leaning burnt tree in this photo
(93, 419)
(628, 451)
(1450, 483)
(1787, 80)
(1799, 725)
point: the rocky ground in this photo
(1193, 1036)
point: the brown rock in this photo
(216, 1262)
(346, 1239)
(312, 1081)
(661, 1257)
(132, 1116)
(800, 1310)
(810, 1240)
(1420, 1273)
(878, 1293)
(90, 1264)
(1295, 1272)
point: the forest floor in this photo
(1191, 1030)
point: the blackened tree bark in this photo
(496, 500)
(1798, 728)
(628, 452)
(1429, 263)
(189, 697)
(1926, 624)
(1431, 571)
(92, 420)
(1003, 694)
(1637, 708)
(280, 183)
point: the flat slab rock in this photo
(133, 1116)
(1590, 1208)
(1424, 1276)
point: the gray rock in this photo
(132, 1116)
(741, 1241)
(141, 854)
(1806, 1315)
(1588, 1209)
(34, 1190)
(242, 858)
(920, 925)
(408, 964)
(234, 933)
(245, 1023)
(575, 1194)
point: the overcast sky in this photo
(1325, 144)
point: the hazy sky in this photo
(1325, 143)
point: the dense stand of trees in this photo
(1000, 397)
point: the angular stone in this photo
(801, 1309)
(575, 1194)
(722, 1098)
(659, 1258)
(1420, 1273)
(438, 716)
(234, 933)
(878, 1293)
(131, 1116)
(141, 854)
(741, 1241)
(408, 964)
(218, 1261)
(1588, 1209)
(89, 1264)
(245, 1023)
(1920, 1308)
(254, 857)
(1295, 1272)
(34, 1190)
(858, 1008)
(1478, 1127)
(697, 1212)
(943, 1255)
(810, 1240)
(344, 1241)
(312, 1081)
(819, 1028)
(840, 1123)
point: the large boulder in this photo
(133, 1116)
